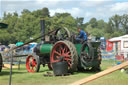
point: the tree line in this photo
(22, 28)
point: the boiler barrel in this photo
(46, 48)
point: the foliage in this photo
(22, 28)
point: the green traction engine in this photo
(61, 45)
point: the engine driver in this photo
(82, 37)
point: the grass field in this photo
(22, 77)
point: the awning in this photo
(19, 43)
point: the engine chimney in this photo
(42, 24)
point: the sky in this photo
(100, 9)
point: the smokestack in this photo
(42, 24)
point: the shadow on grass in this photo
(44, 69)
(3, 73)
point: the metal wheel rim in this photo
(31, 64)
(61, 49)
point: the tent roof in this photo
(119, 38)
(19, 43)
(115, 39)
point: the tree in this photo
(15, 14)
(101, 24)
(124, 22)
(94, 31)
(115, 22)
(108, 28)
(93, 22)
(61, 20)
(25, 11)
(79, 22)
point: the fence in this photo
(22, 53)
(107, 55)
(111, 55)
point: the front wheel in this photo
(32, 63)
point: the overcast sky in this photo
(100, 9)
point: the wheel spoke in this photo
(68, 55)
(67, 59)
(57, 53)
(68, 52)
(60, 51)
(63, 50)
(34, 63)
(56, 60)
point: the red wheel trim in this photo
(63, 50)
(31, 64)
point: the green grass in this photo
(22, 77)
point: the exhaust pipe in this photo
(42, 24)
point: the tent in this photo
(118, 38)
(115, 39)
(19, 43)
(120, 45)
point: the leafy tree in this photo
(115, 22)
(124, 22)
(101, 24)
(79, 22)
(63, 20)
(15, 14)
(108, 28)
(93, 22)
(25, 11)
(94, 31)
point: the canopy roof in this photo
(19, 43)
(119, 38)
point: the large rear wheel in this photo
(0, 62)
(98, 68)
(32, 63)
(87, 53)
(65, 51)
